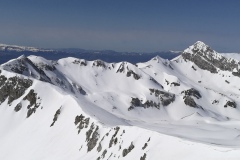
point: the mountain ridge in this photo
(120, 110)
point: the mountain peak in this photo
(22, 57)
(198, 46)
(200, 43)
(208, 59)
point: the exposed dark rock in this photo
(230, 104)
(86, 122)
(82, 121)
(201, 63)
(104, 153)
(215, 102)
(43, 76)
(236, 73)
(206, 59)
(99, 148)
(81, 62)
(42, 66)
(156, 82)
(19, 68)
(137, 103)
(121, 68)
(148, 104)
(79, 88)
(82, 91)
(111, 142)
(165, 97)
(190, 101)
(130, 108)
(19, 90)
(171, 67)
(99, 63)
(30, 112)
(149, 139)
(2, 80)
(143, 157)
(49, 68)
(145, 146)
(128, 150)
(89, 132)
(116, 132)
(194, 68)
(136, 76)
(18, 107)
(122, 132)
(93, 140)
(192, 92)
(22, 67)
(156, 92)
(175, 84)
(13, 88)
(167, 82)
(32, 98)
(227, 81)
(111, 156)
(78, 119)
(114, 138)
(56, 116)
(125, 152)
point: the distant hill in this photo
(8, 52)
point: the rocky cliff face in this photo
(206, 58)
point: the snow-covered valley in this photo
(184, 108)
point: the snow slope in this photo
(232, 55)
(186, 108)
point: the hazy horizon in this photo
(126, 26)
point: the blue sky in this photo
(121, 25)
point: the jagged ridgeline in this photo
(207, 59)
(78, 109)
(8, 52)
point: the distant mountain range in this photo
(8, 52)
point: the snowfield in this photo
(186, 108)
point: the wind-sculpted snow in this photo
(78, 109)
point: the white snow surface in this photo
(232, 55)
(103, 92)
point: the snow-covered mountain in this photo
(232, 55)
(185, 108)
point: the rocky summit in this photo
(187, 107)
